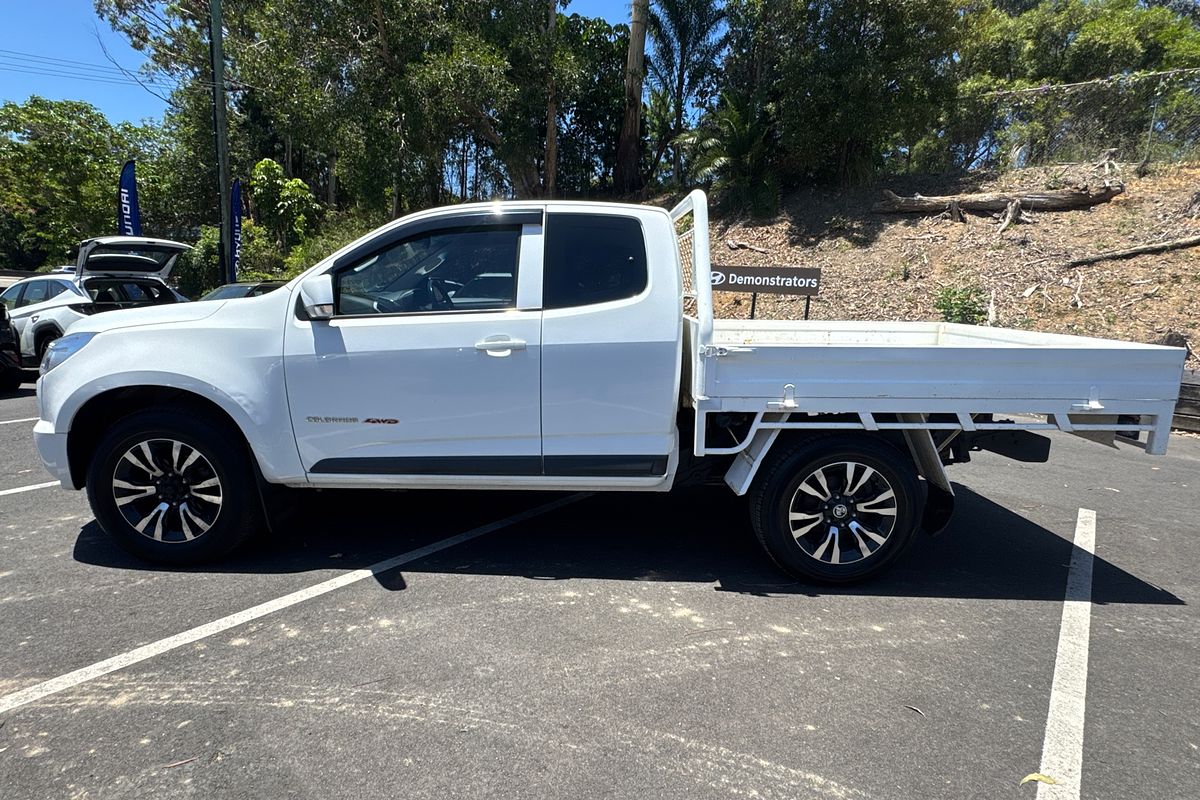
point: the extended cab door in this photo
(431, 364)
(611, 331)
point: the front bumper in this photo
(52, 447)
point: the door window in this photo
(35, 292)
(592, 258)
(11, 295)
(461, 269)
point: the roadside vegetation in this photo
(345, 115)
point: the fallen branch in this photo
(733, 245)
(1049, 200)
(1140, 250)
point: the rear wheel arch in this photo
(859, 457)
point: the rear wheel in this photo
(43, 343)
(836, 509)
(174, 487)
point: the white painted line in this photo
(20, 489)
(67, 681)
(1062, 750)
(15, 421)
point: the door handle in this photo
(500, 346)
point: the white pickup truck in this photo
(564, 346)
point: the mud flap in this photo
(939, 495)
(939, 508)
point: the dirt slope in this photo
(891, 266)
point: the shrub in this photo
(199, 270)
(967, 305)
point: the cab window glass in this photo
(592, 258)
(54, 289)
(462, 269)
(35, 292)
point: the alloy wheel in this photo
(842, 513)
(167, 490)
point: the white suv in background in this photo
(111, 272)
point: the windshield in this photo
(228, 292)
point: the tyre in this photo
(174, 487)
(43, 343)
(836, 509)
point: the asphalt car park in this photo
(432, 644)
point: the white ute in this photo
(559, 345)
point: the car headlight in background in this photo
(63, 348)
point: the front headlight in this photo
(63, 348)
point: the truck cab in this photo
(465, 349)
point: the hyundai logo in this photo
(717, 278)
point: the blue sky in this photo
(51, 48)
(35, 31)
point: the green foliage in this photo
(687, 50)
(344, 114)
(337, 232)
(732, 148)
(59, 164)
(285, 206)
(199, 270)
(966, 305)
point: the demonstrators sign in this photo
(767, 280)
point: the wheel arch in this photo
(92, 418)
(44, 330)
(912, 443)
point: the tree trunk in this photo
(551, 146)
(551, 109)
(625, 172)
(462, 171)
(331, 198)
(679, 92)
(1049, 200)
(475, 177)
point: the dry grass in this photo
(890, 266)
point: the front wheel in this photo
(173, 487)
(836, 509)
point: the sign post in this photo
(804, 281)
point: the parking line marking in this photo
(1062, 749)
(100, 668)
(20, 489)
(15, 421)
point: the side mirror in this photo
(316, 293)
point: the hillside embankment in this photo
(891, 266)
